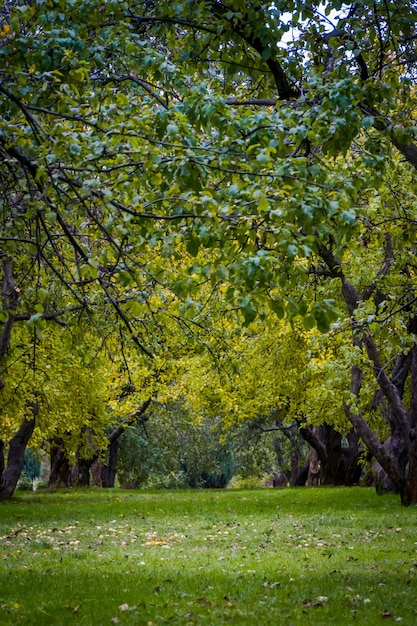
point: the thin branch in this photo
(261, 102)
(132, 419)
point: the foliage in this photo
(174, 450)
(164, 163)
(139, 459)
(31, 464)
(137, 92)
(31, 470)
(268, 555)
(264, 447)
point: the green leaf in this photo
(192, 246)
(368, 121)
(249, 313)
(309, 322)
(277, 307)
(348, 216)
(75, 149)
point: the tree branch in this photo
(260, 102)
(285, 90)
(10, 299)
(136, 415)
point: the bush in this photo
(174, 452)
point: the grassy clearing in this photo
(307, 556)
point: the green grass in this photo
(295, 556)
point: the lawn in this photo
(293, 556)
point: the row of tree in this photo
(166, 165)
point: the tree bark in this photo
(108, 471)
(10, 299)
(60, 474)
(1, 458)
(410, 492)
(96, 470)
(81, 472)
(338, 464)
(387, 461)
(313, 469)
(11, 473)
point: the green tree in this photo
(260, 144)
(175, 448)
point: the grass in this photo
(294, 556)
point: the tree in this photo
(215, 131)
(352, 99)
(175, 448)
(58, 396)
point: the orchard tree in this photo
(277, 377)
(261, 142)
(176, 448)
(55, 388)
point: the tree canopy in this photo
(161, 161)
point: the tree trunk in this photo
(410, 491)
(313, 469)
(86, 454)
(10, 300)
(1, 458)
(96, 471)
(398, 455)
(338, 463)
(295, 471)
(108, 472)
(280, 478)
(60, 475)
(11, 473)
(80, 472)
(302, 477)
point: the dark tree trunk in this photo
(410, 492)
(295, 470)
(108, 472)
(81, 472)
(1, 458)
(338, 463)
(86, 455)
(313, 469)
(280, 478)
(297, 475)
(60, 475)
(302, 476)
(96, 470)
(10, 300)
(11, 473)
(397, 457)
